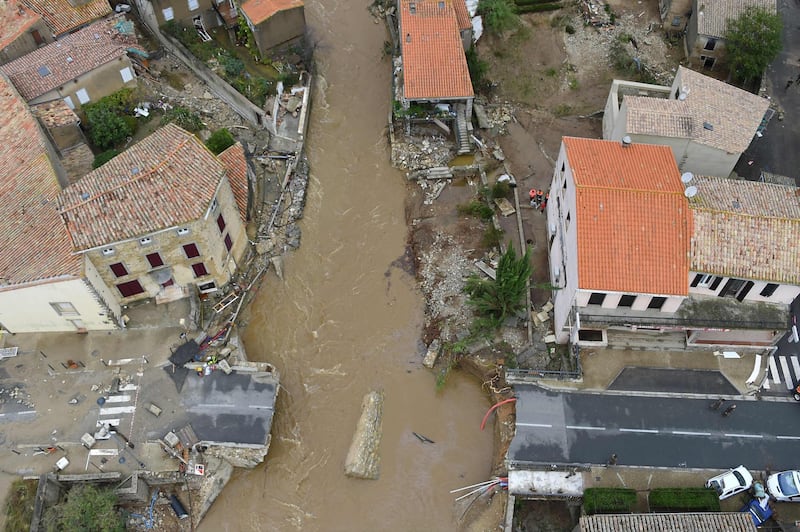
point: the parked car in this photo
(731, 482)
(759, 510)
(784, 486)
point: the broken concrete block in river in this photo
(363, 458)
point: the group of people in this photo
(539, 199)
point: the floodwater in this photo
(347, 320)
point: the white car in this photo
(784, 486)
(731, 482)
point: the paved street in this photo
(586, 428)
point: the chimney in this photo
(626, 141)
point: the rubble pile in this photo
(16, 395)
(417, 153)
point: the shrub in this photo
(477, 69)
(19, 505)
(184, 118)
(500, 190)
(104, 157)
(87, 508)
(608, 500)
(476, 208)
(492, 237)
(539, 8)
(106, 128)
(497, 299)
(219, 141)
(684, 500)
(498, 15)
(232, 65)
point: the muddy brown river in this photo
(345, 320)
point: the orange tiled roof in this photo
(462, 15)
(15, 19)
(55, 113)
(633, 221)
(260, 10)
(34, 243)
(167, 179)
(63, 17)
(236, 166)
(434, 65)
(53, 65)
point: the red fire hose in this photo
(486, 417)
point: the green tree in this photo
(498, 15)
(752, 41)
(495, 300)
(87, 508)
(106, 128)
(220, 140)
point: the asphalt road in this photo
(577, 428)
(777, 151)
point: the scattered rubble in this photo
(422, 152)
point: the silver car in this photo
(784, 486)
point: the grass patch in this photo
(562, 110)
(173, 80)
(492, 237)
(551, 72)
(476, 208)
(683, 500)
(625, 64)
(540, 8)
(573, 83)
(608, 500)
(19, 505)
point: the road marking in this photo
(743, 435)
(124, 361)
(645, 431)
(260, 407)
(787, 437)
(115, 410)
(786, 374)
(537, 425)
(581, 427)
(796, 367)
(773, 370)
(118, 399)
(689, 433)
(218, 405)
(104, 452)
(18, 413)
(127, 387)
(109, 422)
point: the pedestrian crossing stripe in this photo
(786, 374)
(784, 369)
(773, 371)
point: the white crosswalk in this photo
(783, 370)
(123, 403)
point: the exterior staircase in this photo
(462, 130)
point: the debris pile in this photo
(421, 152)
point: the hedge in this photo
(537, 8)
(683, 500)
(521, 3)
(608, 500)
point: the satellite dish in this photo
(690, 192)
(686, 178)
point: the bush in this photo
(495, 300)
(498, 15)
(87, 508)
(684, 500)
(492, 237)
(476, 208)
(232, 65)
(608, 500)
(184, 118)
(539, 8)
(19, 505)
(104, 157)
(106, 128)
(219, 141)
(477, 69)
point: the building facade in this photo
(275, 23)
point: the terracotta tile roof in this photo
(677, 522)
(434, 64)
(260, 10)
(63, 17)
(713, 16)
(34, 243)
(462, 15)
(53, 65)
(54, 114)
(633, 221)
(167, 179)
(15, 19)
(236, 166)
(733, 113)
(745, 229)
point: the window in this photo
(656, 303)
(126, 74)
(119, 269)
(597, 298)
(37, 37)
(168, 13)
(131, 288)
(213, 205)
(82, 96)
(221, 223)
(199, 269)
(155, 260)
(704, 280)
(736, 288)
(146, 240)
(626, 300)
(191, 251)
(708, 62)
(107, 252)
(69, 102)
(183, 231)
(228, 242)
(193, 5)
(710, 44)
(569, 218)
(207, 287)
(769, 289)
(65, 309)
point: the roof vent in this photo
(84, 196)
(134, 170)
(708, 125)
(690, 192)
(737, 205)
(408, 37)
(69, 59)
(43, 71)
(626, 141)
(412, 7)
(441, 5)
(687, 177)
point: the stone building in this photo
(160, 218)
(22, 30)
(275, 23)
